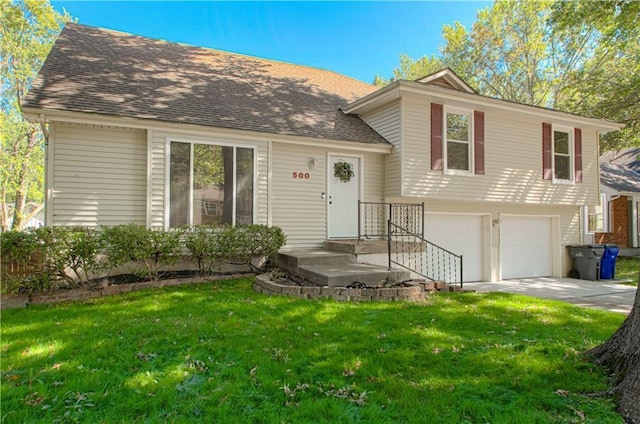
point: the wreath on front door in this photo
(343, 171)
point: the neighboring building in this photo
(146, 131)
(616, 219)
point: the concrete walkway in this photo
(604, 294)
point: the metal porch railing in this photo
(373, 217)
(416, 254)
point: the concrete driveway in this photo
(604, 294)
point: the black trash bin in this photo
(586, 261)
(608, 261)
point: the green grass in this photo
(628, 269)
(222, 353)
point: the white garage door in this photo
(526, 247)
(462, 235)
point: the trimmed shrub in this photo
(22, 267)
(41, 260)
(211, 246)
(149, 249)
(72, 253)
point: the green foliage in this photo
(219, 352)
(204, 246)
(149, 249)
(43, 259)
(581, 57)
(79, 250)
(28, 29)
(410, 69)
(628, 269)
(512, 53)
(210, 246)
(22, 268)
(608, 84)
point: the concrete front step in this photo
(292, 261)
(340, 275)
(356, 247)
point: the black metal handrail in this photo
(414, 253)
(373, 217)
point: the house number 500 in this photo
(301, 175)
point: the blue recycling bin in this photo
(608, 261)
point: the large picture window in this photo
(459, 143)
(210, 184)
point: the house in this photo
(140, 128)
(616, 219)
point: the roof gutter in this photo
(35, 114)
(399, 88)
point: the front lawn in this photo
(221, 353)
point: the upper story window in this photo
(562, 155)
(210, 184)
(459, 142)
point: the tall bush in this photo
(149, 249)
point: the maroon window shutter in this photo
(547, 172)
(478, 141)
(436, 137)
(577, 141)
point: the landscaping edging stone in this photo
(265, 285)
(16, 301)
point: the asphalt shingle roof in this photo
(629, 158)
(99, 71)
(619, 178)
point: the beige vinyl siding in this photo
(298, 206)
(158, 180)
(159, 169)
(99, 175)
(417, 148)
(387, 122)
(513, 161)
(374, 177)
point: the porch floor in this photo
(336, 269)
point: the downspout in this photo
(42, 120)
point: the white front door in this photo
(343, 198)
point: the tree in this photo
(608, 85)
(512, 53)
(581, 57)
(28, 29)
(621, 354)
(410, 69)
(614, 93)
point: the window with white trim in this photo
(458, 143)
(597, 216)
(562, 148)
(210, 184)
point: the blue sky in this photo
(359, 39)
